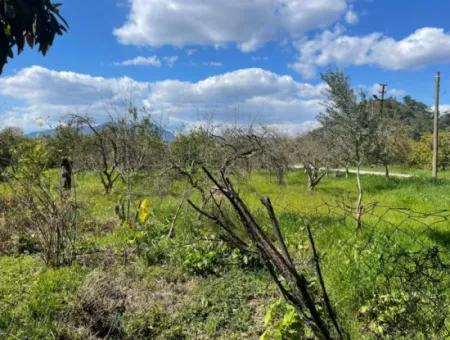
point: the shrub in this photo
(205, 257)
(48, 217)
(282, 322)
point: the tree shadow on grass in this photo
(440, 236)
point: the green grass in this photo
(34, 299)
(229, 303)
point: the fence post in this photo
(436, 127)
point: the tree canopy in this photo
(35, 22)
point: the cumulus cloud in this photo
(253, 95)
(153, 61)
(248, 24)
(44, 95)
(141, 61)
(38, 85)
(425, 46)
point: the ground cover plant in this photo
(107, 231)
(139, 283)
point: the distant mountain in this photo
(166, 135)
(42, 133)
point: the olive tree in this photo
(347, 125)
(346, 118)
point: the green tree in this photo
(422, 151)
(35, 22)
(346, 120)
(67, 142)
(10, 138)
(417, 115)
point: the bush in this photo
(282, 322)
(205, 257)
(48, 216)
(410, 298)
(422, 151)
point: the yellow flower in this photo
(144, 211)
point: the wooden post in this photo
(382, 93)
(383, 131)
(436, 127)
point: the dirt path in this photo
(364, 172)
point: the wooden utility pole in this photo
(436, 127)
(384, 126)
(382, 93)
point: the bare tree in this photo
(294, 285)
(124, 145)
(275, 155)
(106, 152)
(311, 151)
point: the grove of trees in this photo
(201, 172)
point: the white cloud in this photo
(248, 24)
(153, 61)
(47, 95)
(253, 95)
(171, 61)
(390, 91)
(213, 64)
(425, 46)
(351, 17)
(38, 85)
(141, 61)
(376, 88)
(443, 109)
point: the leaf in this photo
(270, 312)
(265, 335)
(364, 309)
(30, 40)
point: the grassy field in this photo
(137, 283)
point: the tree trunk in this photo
(359, 204)
(310, 184)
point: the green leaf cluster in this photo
(35, 22)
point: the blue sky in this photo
(196, 61)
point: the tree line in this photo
(354, 131)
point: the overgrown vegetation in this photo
(215, 235)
